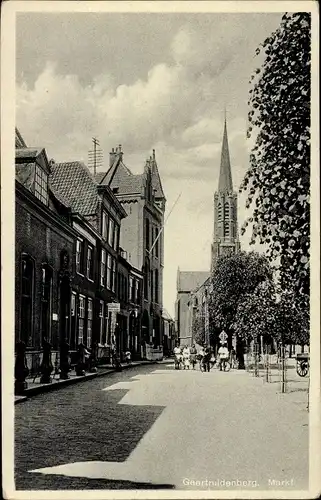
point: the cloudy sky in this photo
(145, 81)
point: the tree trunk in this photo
(240, 353)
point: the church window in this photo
(226, 210)
(227, 228)
(219, 212)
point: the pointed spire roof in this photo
(225, 183)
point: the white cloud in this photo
(177, 108)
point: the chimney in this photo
(154, 154)
(119, 152)
(112, 156)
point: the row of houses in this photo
(89, 256)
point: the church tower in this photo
(226, 238)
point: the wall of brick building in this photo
(183, 312)
(131, 234)
(40, 237)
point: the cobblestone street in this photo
(154, 427)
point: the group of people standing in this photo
(188, 356)
(185, 356)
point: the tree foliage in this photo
(234, 278)
(272, 315)
(198, 327)
(278, 179)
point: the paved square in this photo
(158, 427)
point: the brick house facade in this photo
(43, 254)
(143, 199)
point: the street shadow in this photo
(38, 481)
(79, 423)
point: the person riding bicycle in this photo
(223, 355)
(178, 356)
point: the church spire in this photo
(225, 181)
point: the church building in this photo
(225, 242)
(226, 238)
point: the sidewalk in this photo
(35, 387)
(296, 387)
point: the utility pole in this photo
(95, 156)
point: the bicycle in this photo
(203, 364)
(224, 365)
(178, 362)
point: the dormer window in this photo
(32, 171)
(41, 185)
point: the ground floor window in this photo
(89, 322)
(101, 322)
(81, 319)
(27, 293)
(46, 298)
(73, 320)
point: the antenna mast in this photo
(95, 156)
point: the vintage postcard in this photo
(160, 249)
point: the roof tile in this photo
(76, 185)
(191, 280)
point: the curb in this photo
(20, 399)
(41, 389)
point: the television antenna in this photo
(95, 156)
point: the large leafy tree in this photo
(234, 278)
(198, 327)
(272, 314)
(256, 314)
(278, 179)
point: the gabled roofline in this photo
(81, 218)
(106, 189)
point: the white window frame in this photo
(116, 236)
(90, 251)
(131, 286)
(41, 185)
(136, 290)
(101, 320)
(89, 321)
(73, 304)
(81, 319)
(109, 272)
(111, 229)
(103, 267)
(79, 252)
(113, 275)
(104, 228)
